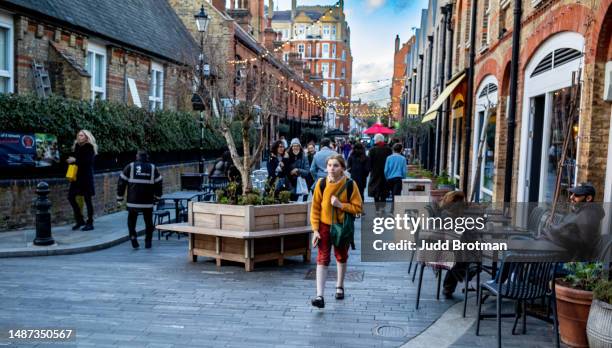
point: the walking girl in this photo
(339, 193)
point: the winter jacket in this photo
(299, 162)
(84, 184)
(319, 163)
(359, 170)
(578, 232)
(144, 185)
(377, 156)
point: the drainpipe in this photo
(420, 99)
(440, 140)
(469, 100)
(431, 137)
(516, 41)
(448, 104)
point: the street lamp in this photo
(202, 21)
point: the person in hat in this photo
(297, 163)
(579, 231)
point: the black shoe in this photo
(147, 244)
(78, 225)
(448, 295)
(339, 294)
(135, 244)
(87, 227)
(318, 302)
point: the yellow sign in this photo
(413, 109)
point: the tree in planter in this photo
(260, 99)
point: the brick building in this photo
(90, 51)
(241, 37)
(558, 39)
(400, 58)
(321, 37)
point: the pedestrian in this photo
(284, 141)
(377, 157)
(578, 231)
(144, 186)
(276, 166)
(318, 168)
(346, 149)
(359, 167)
(220, 168)
(84, 151)
(311, 152)
(395, 170)
(336, 191)
(297, 163)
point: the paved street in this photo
(157, 298)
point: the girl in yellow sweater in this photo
(321, 219)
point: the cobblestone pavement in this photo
(157, 298)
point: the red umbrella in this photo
(378, 128)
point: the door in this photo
(536, 123)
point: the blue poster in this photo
(17, 150)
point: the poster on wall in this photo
(47, 150)
(28, 150)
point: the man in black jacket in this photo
(578, 232)
(144, 187)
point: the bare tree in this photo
(245, 80)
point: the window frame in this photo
(6, 22)
(153, 82)
(325, 50)
(100, 50)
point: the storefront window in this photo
(563, 123)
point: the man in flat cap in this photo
(579, 231)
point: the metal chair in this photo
(522, 277)
(161, 212)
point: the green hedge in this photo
(117, 127)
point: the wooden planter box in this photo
(249, 234)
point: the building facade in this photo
(93, 60)
(321, 37)
(242, 44)
(563, 50)
(398, 89)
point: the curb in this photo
(69, 250)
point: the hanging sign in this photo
(413, 109)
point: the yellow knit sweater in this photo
(321, 210)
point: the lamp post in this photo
(202, 21)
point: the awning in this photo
(433, 110)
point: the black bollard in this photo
(43, 217)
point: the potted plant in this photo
(599, 325)
(574, 295)
(444, 184)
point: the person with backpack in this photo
(144, 186)
(335, 199)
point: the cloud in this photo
(374, 4)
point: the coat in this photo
(377, 156)
(84, 183)
(143, 183)
(299, 162)
(359, 170)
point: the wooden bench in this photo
(245, 247)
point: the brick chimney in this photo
(296, 63)
(269, 39)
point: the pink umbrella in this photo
(378, 128)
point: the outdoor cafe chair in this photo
(522, 277)
(160, 213)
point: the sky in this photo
(374, 24)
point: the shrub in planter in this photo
(574, 296)
(444, 182)
(599, 325)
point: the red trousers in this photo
(325, 245)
